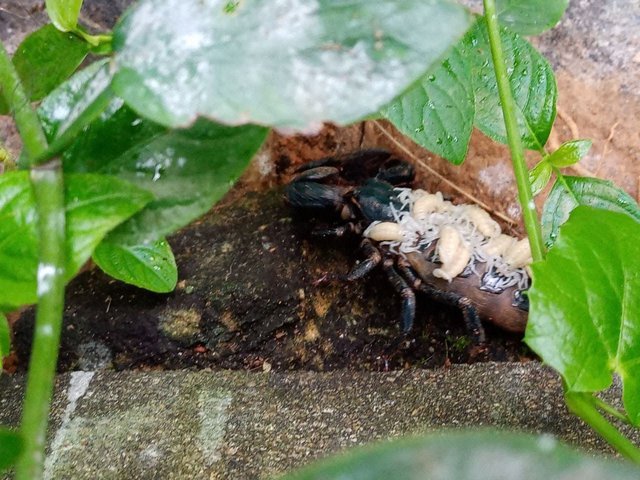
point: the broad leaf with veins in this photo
(437, 111)
(187, 170)
(569, 192)
(286, 63)
(151, 266)
(532, 83)
(584, 319)
(94, 204)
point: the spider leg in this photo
(471, 319)
(363, 268)
(469, 312)
(408, 312)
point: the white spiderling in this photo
(421, 218)
(453, 252)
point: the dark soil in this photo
(248, 298)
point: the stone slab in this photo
(239, 425)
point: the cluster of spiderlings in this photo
(421, 219)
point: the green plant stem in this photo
(47, 181)
(93, 40)
(48, 189)
(611, 410)
(584, 406)
(525, 195)
(561, 179)
(25, 117)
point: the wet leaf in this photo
(46, 58)
(569, 153)
(11, 446)
(152, 266)
(285, 63)
(437, 111)
(466, 456)
(5, 338)
(18, 242)
(529, 17)
(187, 170)
(104, 137)
(439, 108)
(64, 13)
(95, 204)
(573, 191)
(539, 176)
(70, 107)
(532, 83)
(584, 318)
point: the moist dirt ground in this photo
(248, 295)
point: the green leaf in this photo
(584, 318)
(68, 110)
(46, 58)
(187, 170)
(532, 83)
(466, 456)
(69, 107)
(152, 267)
(18, 241)
(569, 153)
(288, 64)
(95, 204)
(529, 17)
(437, 111)
(539, 176)
(569, 192)
(64, 13)
(11, 445)
(5, 338)
(119, 132)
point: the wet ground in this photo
(248, 298)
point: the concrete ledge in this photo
(239, 425)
